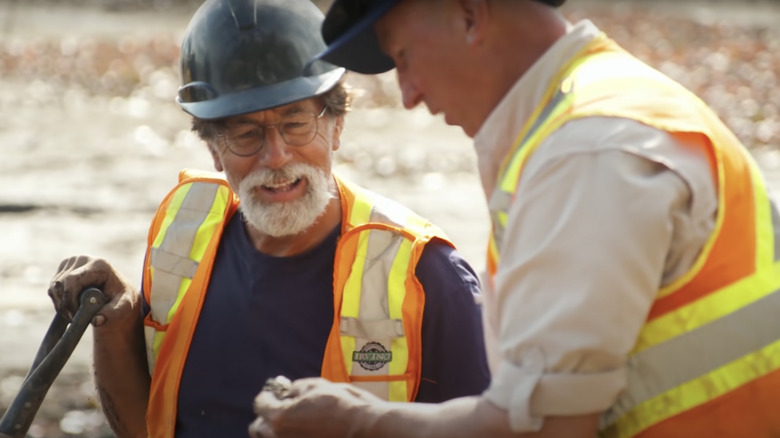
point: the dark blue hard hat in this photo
(242, 56)
(348, 31)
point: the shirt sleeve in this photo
(605, 212)
(453, 349)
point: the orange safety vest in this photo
(707, 360)
(375, 341)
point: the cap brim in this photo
(356, 48)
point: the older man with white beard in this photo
(276, 266)
(285, 218)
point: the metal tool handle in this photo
(57, 346)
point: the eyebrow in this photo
(296, 109)
(243, 118)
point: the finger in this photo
(266, 404)
(56, 287)
(79, 276)
(308, 384)
(261, 429)
(56, 292)
(98, 320)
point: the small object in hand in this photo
(279, 386)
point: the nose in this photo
(410, 94)
(275, 152)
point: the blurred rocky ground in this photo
(91, 140)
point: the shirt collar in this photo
(497, 134)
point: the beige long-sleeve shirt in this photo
(607, 211)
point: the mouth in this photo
(282, 186)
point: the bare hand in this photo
(312, 408)
(75, 274)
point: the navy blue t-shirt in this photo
(265, 316)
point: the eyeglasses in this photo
(246, 139)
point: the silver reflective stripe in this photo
(173, 263)
(378, 329)
(177, 243)
(380, 254)
(691, 356)
(381, 251)
(545, 114)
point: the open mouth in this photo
(282, 186)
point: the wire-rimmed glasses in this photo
(246, 139)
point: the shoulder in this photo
(627, 146)
(442, 267)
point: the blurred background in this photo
(91, 140)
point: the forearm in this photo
(466, 417)
(122, 379)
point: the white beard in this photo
(285, 218)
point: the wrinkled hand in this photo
(311, 408)
(75, 274)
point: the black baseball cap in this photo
(348, 30)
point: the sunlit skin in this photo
(452, 55)
(275, 154)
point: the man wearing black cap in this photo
(632, 285)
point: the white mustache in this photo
(278, 177)
(284, 218)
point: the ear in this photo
(338, 126)
(216, 157)
(476, 15)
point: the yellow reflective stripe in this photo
(709, 308)
(215, 217)
(509, 170)
(733, 296)
(170, 214)
(377, 277)
(395, 301)
(765, 228)
(361, 210)
(396, 281)
(374, 291)
(184, 233)
(348, 344)
(697, 391)
(512, 174)
(502, 218)
(559, 100)
(681, 354)
(183, 286)
(157, 343)
(397, 391)
(178, 240)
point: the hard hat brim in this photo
(266, 97)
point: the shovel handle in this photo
(57, 346)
